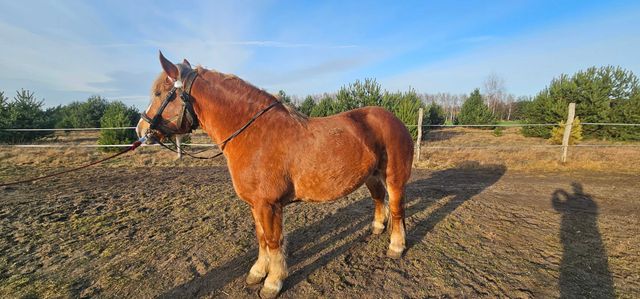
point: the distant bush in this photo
(87, 114)
(498, 131)
(117, 114)
(557, 133)
(475, 112)
(435, 115)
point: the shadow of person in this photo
(313, 246)
(584, 270)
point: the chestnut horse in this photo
(285, 156)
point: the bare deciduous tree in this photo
(494, 90)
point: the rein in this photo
(130, 148)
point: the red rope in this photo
(132, 147)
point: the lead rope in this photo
(130, 148)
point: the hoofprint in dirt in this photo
(473, 231)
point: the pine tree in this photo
(604, 94)
(284, 98)
(307, 105)
(24, 112)
(325, 107)
(435, 114)
(475, 112)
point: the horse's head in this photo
(171, 109)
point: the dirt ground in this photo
(476, 230)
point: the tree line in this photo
(602, 95)
(405, 105)
(25, 111)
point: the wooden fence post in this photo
(567, 131)
(419, 137)
(178, 146)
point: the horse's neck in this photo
(221, 110)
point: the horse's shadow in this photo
(461, 183)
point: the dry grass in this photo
(512, 150)
(517, 152)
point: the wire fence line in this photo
(94, 145)
(212, 145)
(68, 129)
(526, 146)
(527, 125)
(427, 125)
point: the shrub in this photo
(435, 115)
(117, 114)
(558, 132)
(475, 112)
(86, 114)
(498, 131)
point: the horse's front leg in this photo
(271, 221)
(260, 268)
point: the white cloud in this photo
(27, 55)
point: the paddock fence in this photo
(202, 141)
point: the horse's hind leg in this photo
(377, 193)
(396, 221)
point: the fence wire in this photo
(210, 145)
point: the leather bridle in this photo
(158, 124)
(181, 86)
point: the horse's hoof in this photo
(254, 279)
(377, 228)
(394, 254)
(268, 293)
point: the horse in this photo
(281, 156)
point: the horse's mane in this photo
(254, 92)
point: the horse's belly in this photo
(329, 185)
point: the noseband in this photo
(157, 123)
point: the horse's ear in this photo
(186, 62)
(168, 67)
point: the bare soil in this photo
(475, 230)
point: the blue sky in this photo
(69, 50)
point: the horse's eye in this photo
(157, 93)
